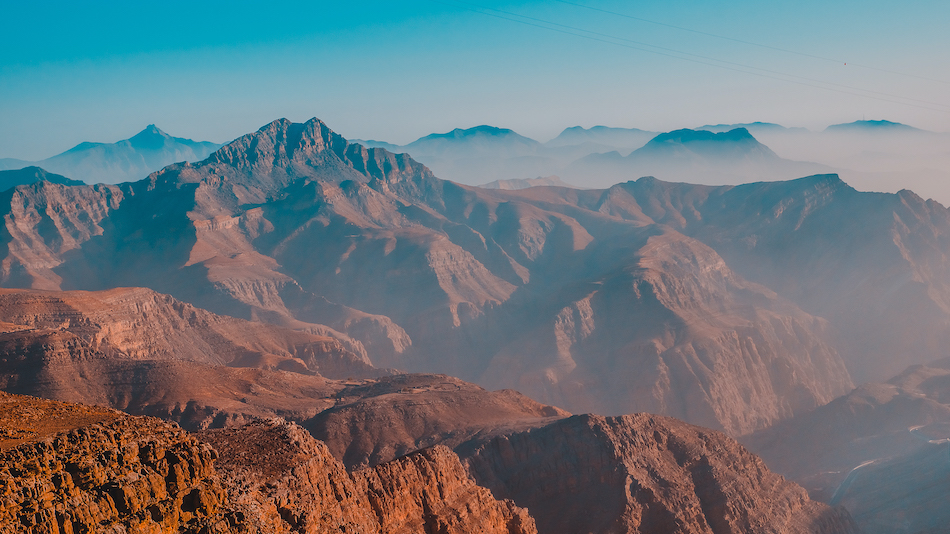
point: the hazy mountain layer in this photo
(526, 183)
(125, 161)
(875, 265)
(696, 156)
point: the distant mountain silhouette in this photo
(526, 183)
(127, 160)
(872, 126)
(753, 127)
(687, 155)
(622, 139)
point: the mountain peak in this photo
(483, 133)
(149, 138)
(872, 126)
(686, 135)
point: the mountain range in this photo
(125, 161)
(293, 274)
(565, 295)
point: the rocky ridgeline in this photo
(139, 474)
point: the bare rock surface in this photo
(136, 474)
(645, 473)
(120, 474)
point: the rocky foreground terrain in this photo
(136, 474)
(92, 469)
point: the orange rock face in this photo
(137, 474)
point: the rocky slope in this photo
(140, 324)
(144, 475)
(295, 226)
(644, 473)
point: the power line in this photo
(704, 60)
(751, 43)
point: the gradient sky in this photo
(394, 71)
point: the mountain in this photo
(686, 155)
(29, 175)
(526, 183)
(865, 126)
(879, 278)
(880, 451)
(97, 468)
(603, 137)
(488, 154)
(755, 128)
(576, 298)
(479, 154)
(124, 161)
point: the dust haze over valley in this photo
(430, 302)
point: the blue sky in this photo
(394, 71)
